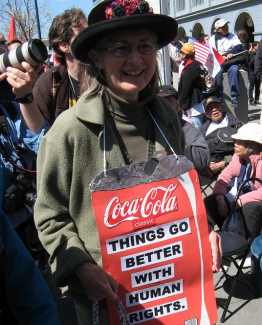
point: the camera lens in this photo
(33, 52)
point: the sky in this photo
(58, 6)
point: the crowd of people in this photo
(239, 55)
(107, 74)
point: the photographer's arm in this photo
(22, 83)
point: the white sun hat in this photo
(221, 22)
(249, 132)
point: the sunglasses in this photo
(123, 48)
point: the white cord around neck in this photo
(104, 142)
(162, 134)
(71, 82)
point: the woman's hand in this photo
(22, 81)
(216, 249)
(98, 284)
(222, 207)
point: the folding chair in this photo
(235, 247)
(207, 184)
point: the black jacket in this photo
(233, 121)
(251, 62)
(258, 61)
(196, 149)
(190, 86)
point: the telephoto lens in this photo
(32, 52)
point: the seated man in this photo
(217, 118)
(196, 148)
(227, 44)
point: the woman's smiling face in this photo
(127, 75)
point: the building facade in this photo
(198, 17)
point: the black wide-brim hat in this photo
(99, 26)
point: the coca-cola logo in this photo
(157, 201)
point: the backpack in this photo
(220, 143)
(208, 84)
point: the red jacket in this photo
(233, 170)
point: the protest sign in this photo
(154, 241)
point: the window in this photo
(180, 5)
(197, 2)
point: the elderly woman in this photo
(120, 46)
(246, 162)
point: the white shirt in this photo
(213, 125)
(175, 52)
(224, 43)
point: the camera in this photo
(32, 52)
(21, 191)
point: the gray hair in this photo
(252, 147)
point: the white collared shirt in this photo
(213, 125)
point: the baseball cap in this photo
(249, 132)
(221, 23)
(188, 48)
(2, 38)
(211, 99)
(168, 90)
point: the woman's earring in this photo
(100, 73)
(101, 76)
(97, 73)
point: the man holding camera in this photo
(59, 88)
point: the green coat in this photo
(70, 156)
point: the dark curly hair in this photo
(61, 29)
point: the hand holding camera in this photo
(22, 81)
(22, 65)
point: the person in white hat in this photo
(227, 44)
(246, 162)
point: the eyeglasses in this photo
(123, 48)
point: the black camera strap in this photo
(4, 129)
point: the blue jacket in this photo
(30, 294)
(29, 141)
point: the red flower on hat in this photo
(131, 8)
(109, 13)
(120, 8)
